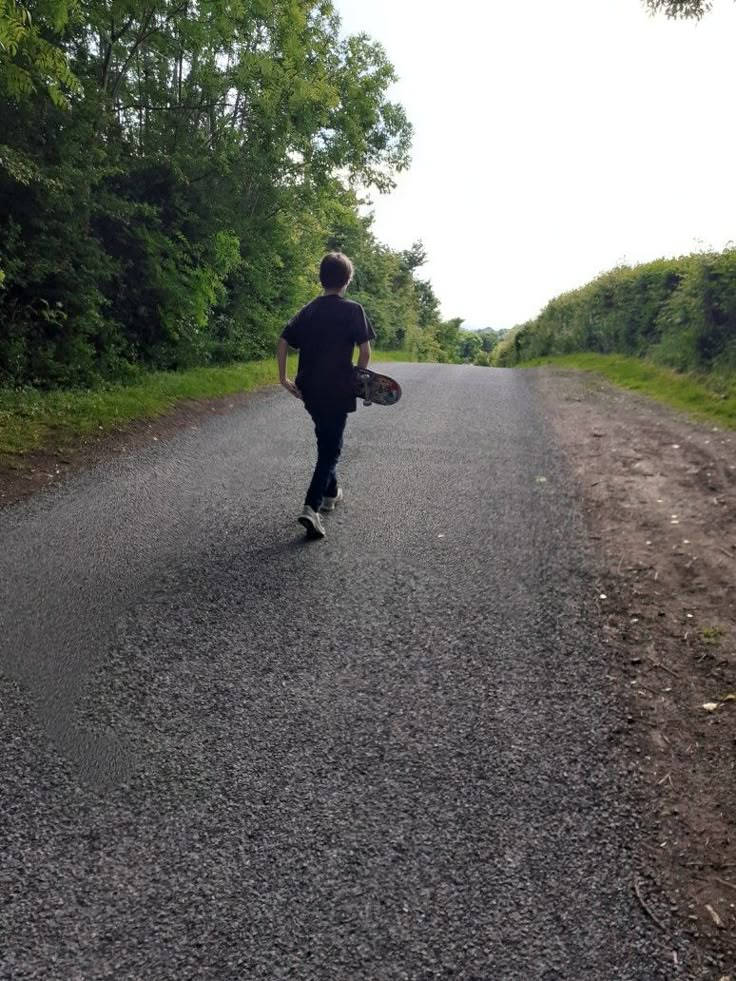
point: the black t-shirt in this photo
(325, 332)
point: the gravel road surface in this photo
(229, 754)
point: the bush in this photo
(679, 312)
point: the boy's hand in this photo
(291, 388)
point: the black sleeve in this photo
(362, 329)
(292, 333)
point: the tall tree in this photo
(209, 148)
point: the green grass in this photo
(707, 398)
(31, 419)
(392, 356)
(713, 635)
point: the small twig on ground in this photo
(725, 882)
(651, 691)
(726, 552)
(644, 906)
(658, 664)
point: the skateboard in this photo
(374, 388)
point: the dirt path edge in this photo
(659, 498)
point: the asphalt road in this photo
(228, 754)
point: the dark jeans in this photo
(329, 430)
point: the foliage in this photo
(680, 8)
(680, 313)
(476, 347)
(171, 172)
(490, 338)
(27, 58)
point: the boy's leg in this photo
(329, 431)
(331, 488)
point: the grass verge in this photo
(31, 419)
(712, 399)
(393, 356)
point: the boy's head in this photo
(335, 271)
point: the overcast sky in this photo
(553, 141)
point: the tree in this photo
(172, 210)
(27, 58)
(489, 339)
(415, 257)
(469, 346)
(447, 334)
(680, 8)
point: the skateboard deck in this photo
(374, 388)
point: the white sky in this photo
(554, 140)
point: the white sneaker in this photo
(330, 503)
(312, 522)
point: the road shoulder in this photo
(659, 497)
(26, 474)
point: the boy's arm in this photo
(282, 352)
(364, 355)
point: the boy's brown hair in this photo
(335, 271)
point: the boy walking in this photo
(326, 332)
